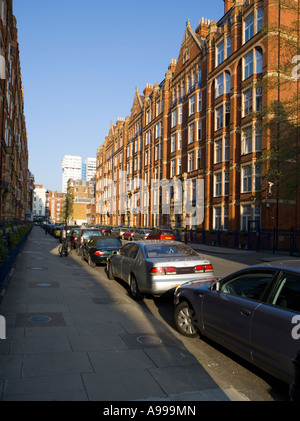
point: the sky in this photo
(81, 62)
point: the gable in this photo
(137, 105)
(192, 45)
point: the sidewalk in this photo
(72, 336)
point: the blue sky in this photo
(81, 62)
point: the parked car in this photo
(253, 312)
(128, 234)
(57, 231)
(96, 250)
(161, 234)
(141, 234)
(83, 235)
(155, 267)
(73, 237)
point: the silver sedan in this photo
(157, 266)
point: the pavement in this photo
(73, 336)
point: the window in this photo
(257, 180)
(219, 86)
(179, 166)
(218, 151)
(191, 165)
(248, 65)
(247, 179)
(227, 115)
(191, 133)
(225, 217)
(220, 53)
(249, 28)
(259, 19)
(173, 168)
(219, 118)
(218, 184)
(217, 218)
(179, 141)
(173, 143)
(199, 130)
(226, 183)
(192, 105)
(199, 77)
(247, 102)
(227, 83)
(158, 107)
(258, 98)
(249, 285)
(287, 294)
(245, 216)
(227, 149)
(258, 60)
(198, 159)
(228, 47)
(247, 141)
(258, 138)
(174, 118)
(179, 115)
(199, 101)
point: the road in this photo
(226, 369)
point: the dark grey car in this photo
(254, 312)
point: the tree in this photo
(67, 210)
(280, 116)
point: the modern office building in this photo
(89, 169)
(71, 168)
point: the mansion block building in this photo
(193, 143)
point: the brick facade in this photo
(203, 122)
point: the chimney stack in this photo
(228, 5)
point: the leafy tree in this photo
(67, 210)
(280, 117)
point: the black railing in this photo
(269, 240)
(12, 239)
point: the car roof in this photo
(281, 264)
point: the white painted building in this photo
(39, 202)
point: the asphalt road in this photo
(226, 369)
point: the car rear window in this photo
(180, 250)
(101, 242)
(93, 233)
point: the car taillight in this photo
(203, 268)
(99, 253)
(163, 271)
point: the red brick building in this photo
(15, 178)
(203, 126)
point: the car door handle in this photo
(245, 312)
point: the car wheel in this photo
(134, 289)
(91, 263)
(185, 320)
(110, 272)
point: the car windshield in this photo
(180, 250)
(102, 242)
